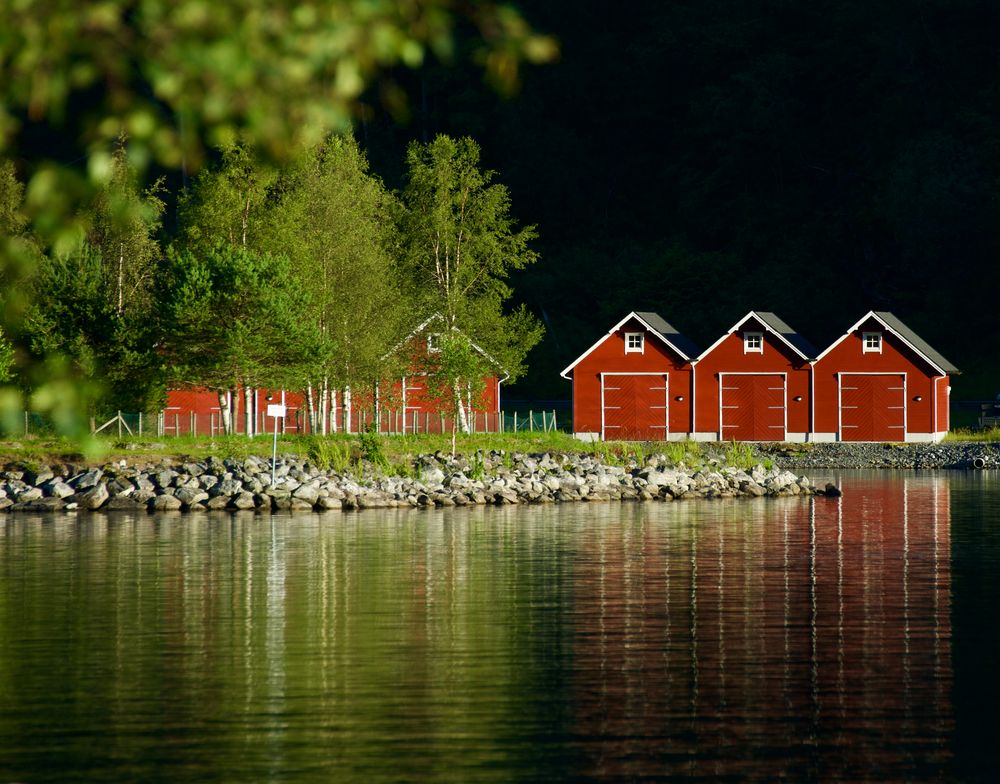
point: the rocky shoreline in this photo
(951, 455)
(437, 480)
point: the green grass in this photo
(973, 435)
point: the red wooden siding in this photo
(872, 408)
(926, 396)
(753, 407)
(609, 357)
(635, 407)
(726, 360)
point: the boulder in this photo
(93, 498)
(165, 503)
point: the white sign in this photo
(276, 410)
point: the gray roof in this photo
(799, 343)
(658, 324)
(916, 341)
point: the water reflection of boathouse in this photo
(816, 632)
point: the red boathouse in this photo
(881, 382)
(752, 384)
(634, 384)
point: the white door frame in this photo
(665, 375)
(784, 383)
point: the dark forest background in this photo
(705, 158)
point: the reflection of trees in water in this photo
(810, 637)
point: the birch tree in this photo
(335, 221)
(123, 227)
(460, 246)
(226, 206)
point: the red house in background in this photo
(634, 383)
(394, 406)
(752, 384)
(409, 407)
(881, 382)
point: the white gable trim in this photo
(871, 314)
(766, 328)
(615, 328)
(438, 317)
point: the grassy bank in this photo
(340, 451)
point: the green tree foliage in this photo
(460, 246)
(234, 319)
(227, 202)
(335, 221)
(454, 374)
(123, 227)
(181, 75)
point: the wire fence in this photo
(176, 423)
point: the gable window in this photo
(753, 342)
(433, 342)
(871, 342)
(634, 342)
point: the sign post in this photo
(276, 411)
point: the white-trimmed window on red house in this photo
(634, 342)
(871, 342)
(753, 342)
(433, 342)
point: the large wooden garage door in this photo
(872, 408)
(635, 407)
(753, 407)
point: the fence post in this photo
(531, 421)
(177, 424)
(515, 421)
(554, 426)
(194, 424)
(140, 424)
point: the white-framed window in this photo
(871, 342)
(753, 342)
(635, 342)
(433, 342)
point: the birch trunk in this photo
(248, 412)
(332, 396)
(225, 411)
(310, 408)
(460, 412)
(346, 397)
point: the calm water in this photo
(852, 639)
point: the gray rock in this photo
(122, 503)
(38, 477)
(29, 494)
(120, 486)
(86, 480)
(56, 488)
(49, 504)
(190, 495)
(242, 500)
(165, 503)
(93, 498)
(308, 493)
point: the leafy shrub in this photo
(328, 454)
(370, 443)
